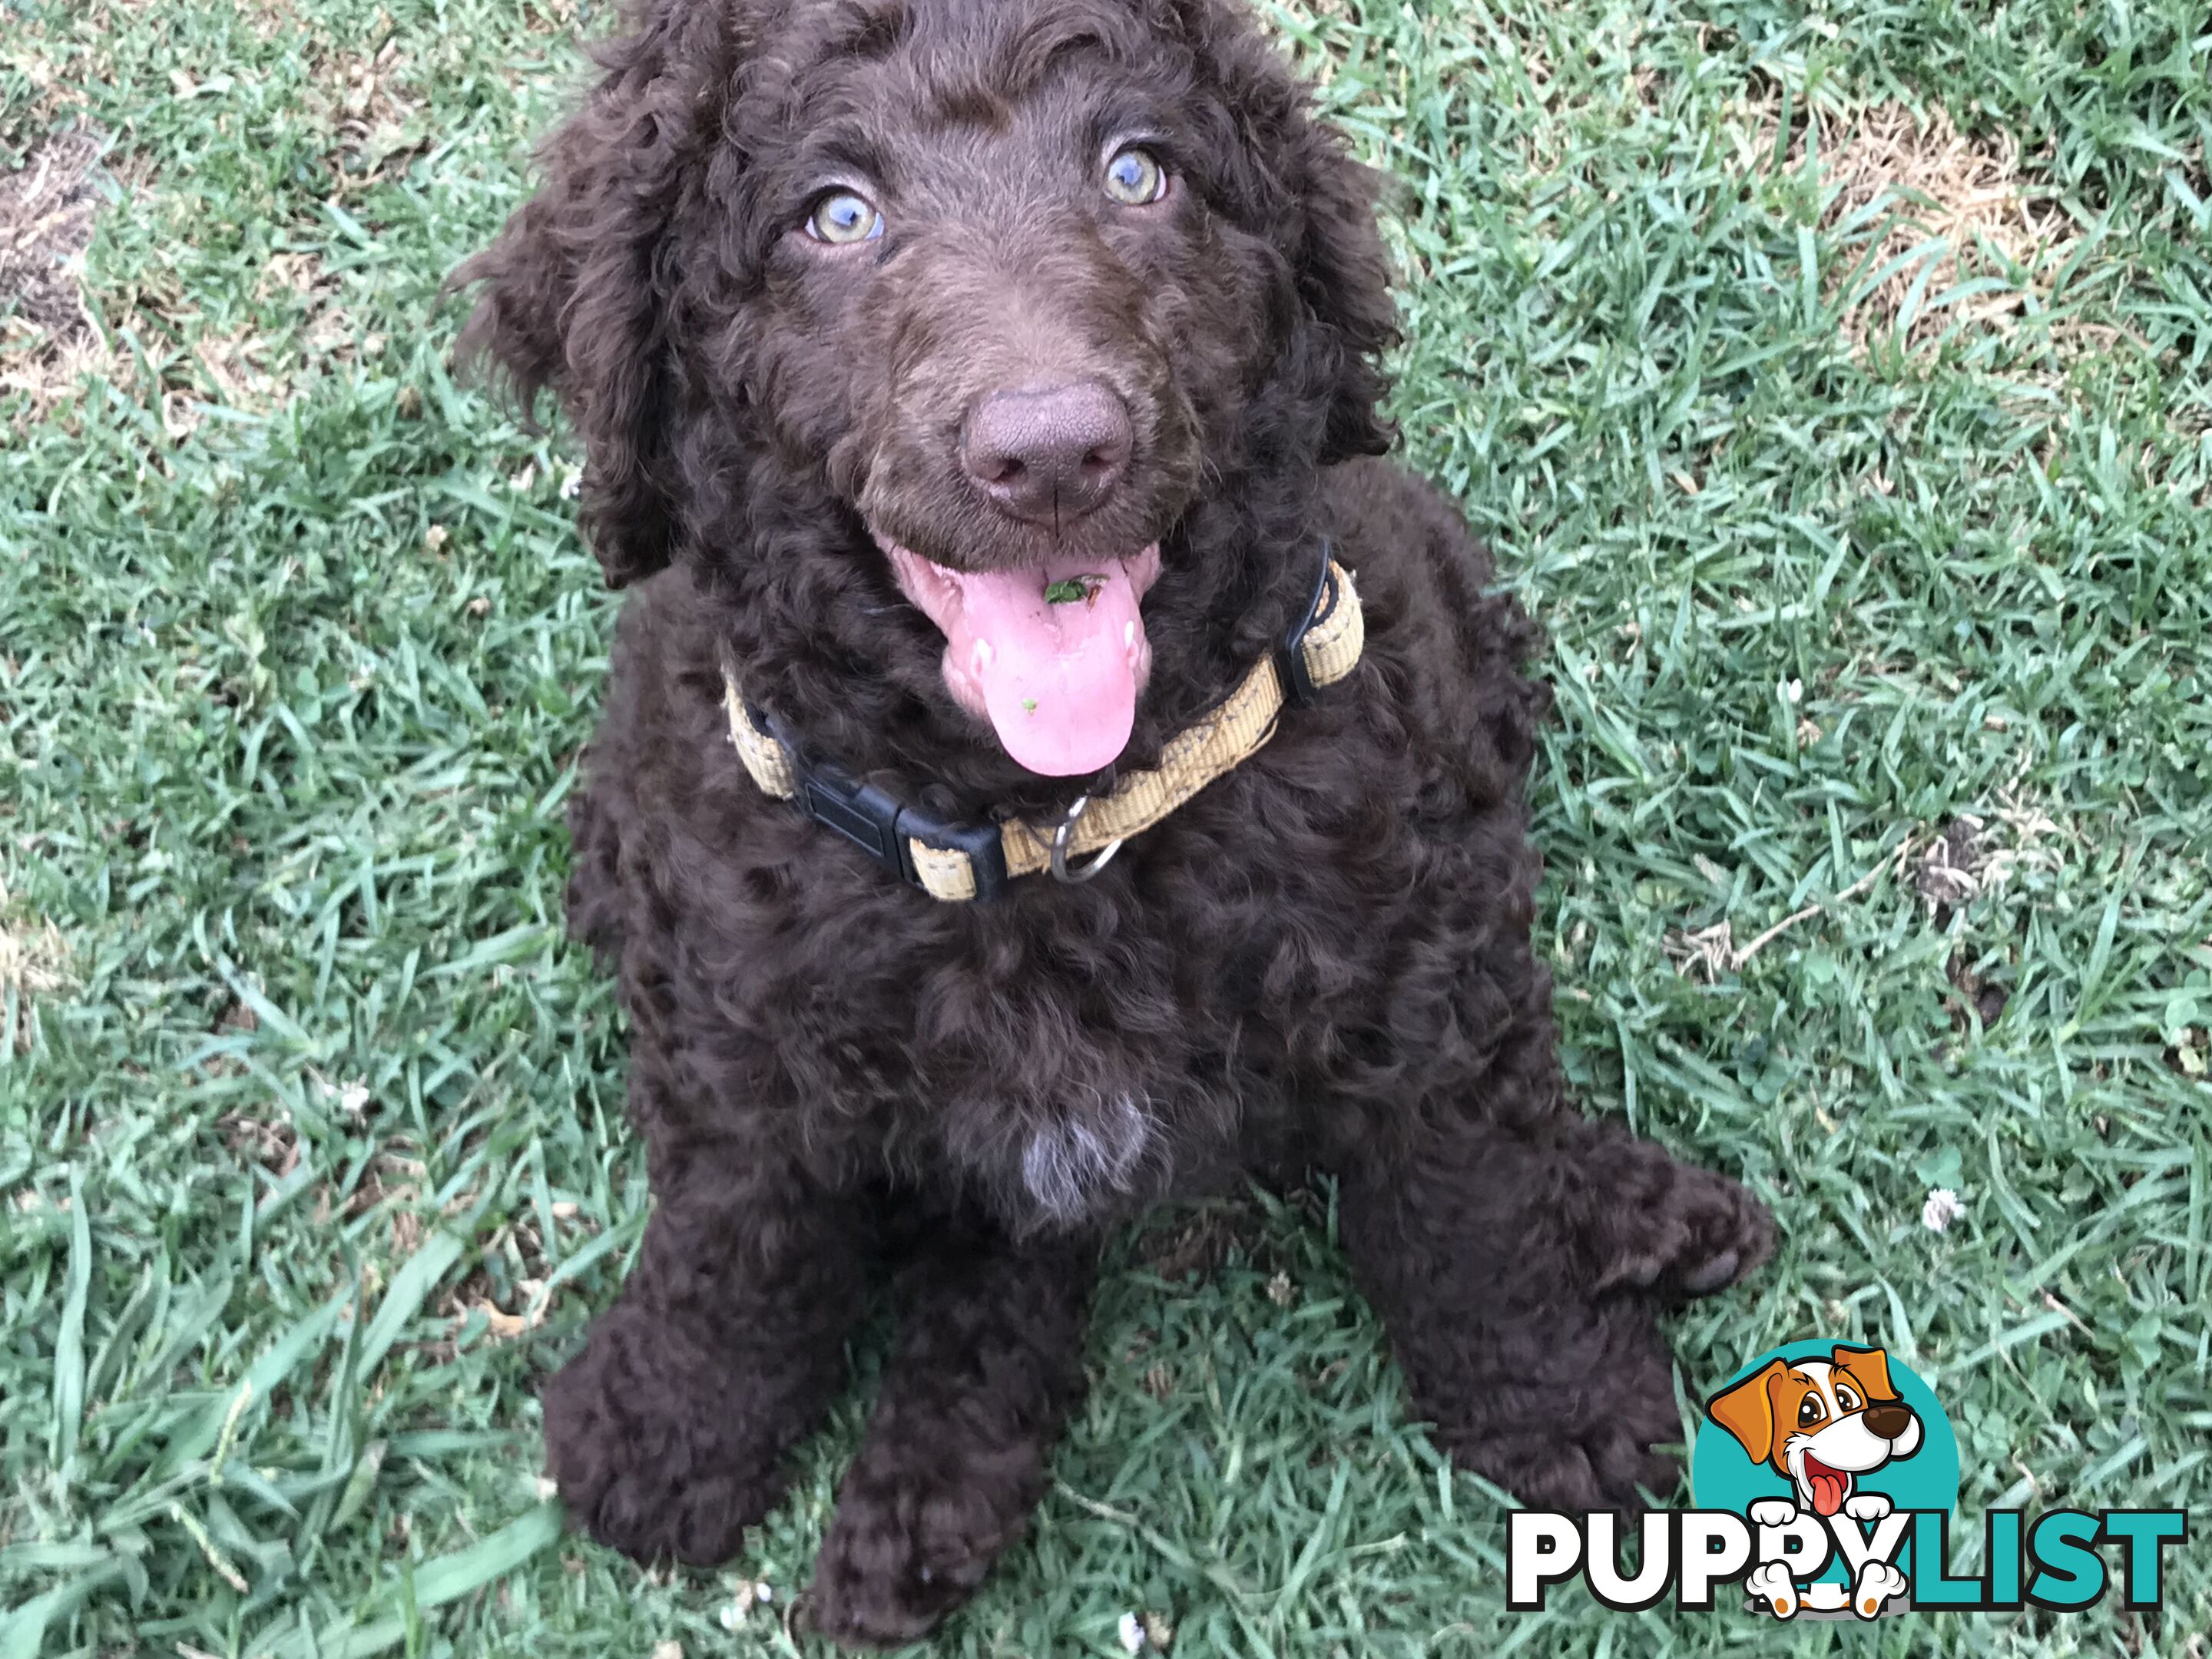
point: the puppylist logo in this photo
(1824, 1480)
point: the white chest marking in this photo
(1068, 1163)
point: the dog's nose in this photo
(1888, 1422)
(1048, 455)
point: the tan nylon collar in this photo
(1329, 648)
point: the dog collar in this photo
(958, 862)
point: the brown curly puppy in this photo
(977, 380)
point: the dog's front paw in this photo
(651, 1457)
(1670, 1228)
(904, 1549)
(1770, 1585)
(1878, 1581)
(1773, 1512)
(1866, 1506)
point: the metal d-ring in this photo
(1062, 836)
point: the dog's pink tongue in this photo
(1828, 1490)
(1059, 674)
(1052, 659)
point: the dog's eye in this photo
(1135, 176)
(841, 217)
(1809, 1411)
(1846, 1401)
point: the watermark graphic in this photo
(1823, 1481)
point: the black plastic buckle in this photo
(1298, 686)
(862, 813)
(986, 850)
(881, 824)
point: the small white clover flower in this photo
(732, 1615)
(1941, 1210)
(1133, 1634)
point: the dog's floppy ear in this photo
(1746, 1410)
(1294, 181)
(577, 292)
(1869, 1369)
(1344, 276)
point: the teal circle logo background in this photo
(1724, 1477)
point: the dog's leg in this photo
(986, 1367)
(664, 1436)
(1518, 1265)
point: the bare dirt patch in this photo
(1913, 170)
(1980, 854)
(271, 1143)
(47, 207)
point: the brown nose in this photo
(1047, 454)
(1888, 1422)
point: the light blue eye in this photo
(1134, 176)
(842, 217)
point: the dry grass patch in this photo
(1912, 171)
(33, 963)
(378, 118)
(47, 206)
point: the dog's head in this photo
(937, 332)
(1820, 1423)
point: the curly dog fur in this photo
(1321, 963)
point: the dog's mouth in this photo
(1830, 1485)
(1053, 656)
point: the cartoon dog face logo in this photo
(1820, 1423)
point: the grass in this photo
(1879, 581)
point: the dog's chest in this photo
(1063, 1106)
